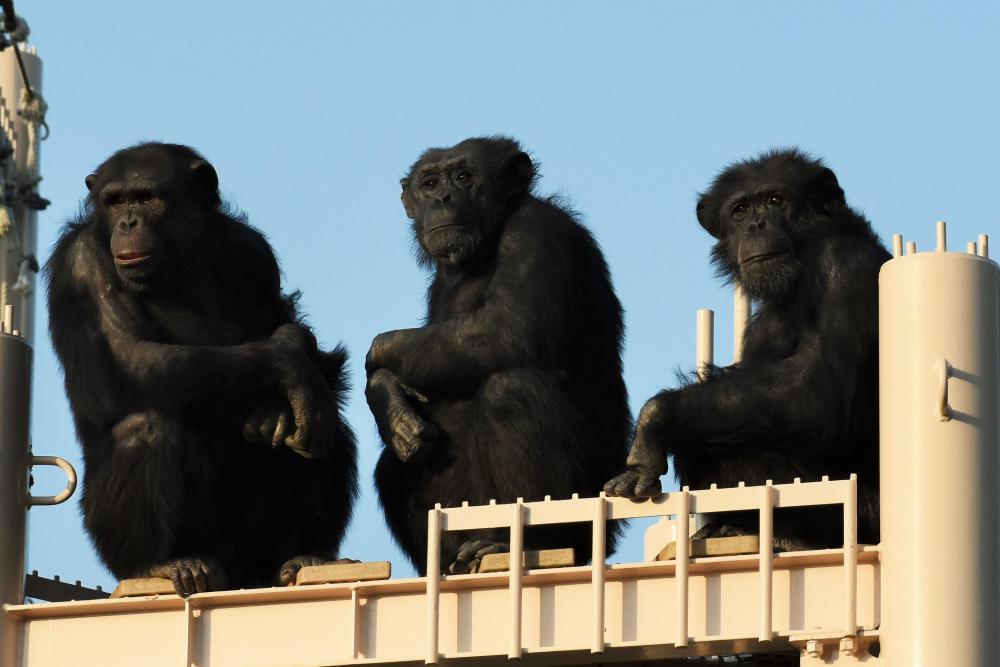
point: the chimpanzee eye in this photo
(463, 177)
(112, 200)
(429, 184)
(775, 200)
(739, 211)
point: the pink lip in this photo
(130, 258)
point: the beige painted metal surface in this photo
(569, 615)
(940, 471)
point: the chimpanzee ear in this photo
(519, 172)
(406, 196)
(205, 175)
(90, 180)
(825, 191)
(707, 220)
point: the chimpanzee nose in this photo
(443, 197)
(127, 222)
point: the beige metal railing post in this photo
(433, 582)
(15, 399)
(681, 567)
(597, 570)
(766, 561)
(939, 361)
(516, 568)
(851, 560)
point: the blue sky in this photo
(311, 111)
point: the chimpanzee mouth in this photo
(132, 258)
(763, 257)
(450, 225)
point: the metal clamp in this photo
(943, 370)
(63, 495)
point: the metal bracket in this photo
(63, 495)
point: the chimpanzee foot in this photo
(290, 569)
(197, 574)
(720, 530)
(472, 552)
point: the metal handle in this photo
(943, 369)
(63, 495)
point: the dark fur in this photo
(168, 473)
(803, 401)
(520, 358)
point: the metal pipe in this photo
(597, 571)
(15, 407)
(911, 247)
(433, 581)
(970, 248)
(681, 566)
(984, 246)
(741, 317)
(766, 561)
(897, 245)
(516, 564)
(705, 333)
(942, 236)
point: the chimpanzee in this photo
(803, 401)
(214, 448)
(513, 387)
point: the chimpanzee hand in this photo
(195, 574)
(641, 479)
(399, 425)
(269, 421)
(313, 409)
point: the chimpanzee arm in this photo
(520, 323)
(793, 399)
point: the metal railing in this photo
(681, 504)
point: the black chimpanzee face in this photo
(766, 212)
(148, 199)
(458, 197)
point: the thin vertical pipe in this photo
(741, 316)
(681, 566)
(942, 236)
(705, 333)
(433, 581)
(897, 245)
(766, 560)
(911, 247)
(516, 564)
(851, 559)
(970, 248)
(984, 246)
(597, 571)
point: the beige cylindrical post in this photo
(851, 560)
(705, 334)
(741, 317)
(15, 399)
(984, 246)
(940, 468)
(911, 247)
(942, 236)
(25, 219)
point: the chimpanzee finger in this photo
(413, 393)
(199, 577)
(185, 580)
(281, 429)
(647, 486)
